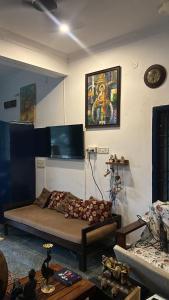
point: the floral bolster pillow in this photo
(91, 210)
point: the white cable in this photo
(92, 171)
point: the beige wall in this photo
(132, 139)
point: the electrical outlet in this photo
(102, 150)
(92, 149)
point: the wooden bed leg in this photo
(5, 229)
(83, 260)
(83, 252)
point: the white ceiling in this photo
(93, 22)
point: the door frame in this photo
(155, 116)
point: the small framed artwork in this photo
(27, 103)
(102, 99)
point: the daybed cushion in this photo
(53, 222)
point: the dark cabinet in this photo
(17, 165)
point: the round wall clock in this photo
(154, 76)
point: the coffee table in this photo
(78, 291)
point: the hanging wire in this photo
(94, 178)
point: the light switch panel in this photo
(40, 163)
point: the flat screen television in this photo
(67, 141)
(42, 142)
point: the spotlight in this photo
(64, 28)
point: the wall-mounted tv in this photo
(42, 142)
(67, 141)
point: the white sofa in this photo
(149, 264)
(154, 278)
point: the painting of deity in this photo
(103, 98)
(27, 103)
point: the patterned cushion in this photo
(158, 211)
(151, 254)
(60, 201)
(57, 201)
(97, 210)
(91, 210)
(75, 208)
(42, 200)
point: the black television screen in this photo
(67, 141)
(42, 142)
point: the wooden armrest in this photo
(131, 227)
(122, 233)
(115, 218)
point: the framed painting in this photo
(102, 99)
(27, 103)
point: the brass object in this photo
(124, 277)
(114, 291)
(115, 276)
(46, 271)
(48, 246)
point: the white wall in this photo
(132, 139)
(58, 174)
(10, 89)
(31, 57)
(66, 104)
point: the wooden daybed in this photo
(52, 226)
